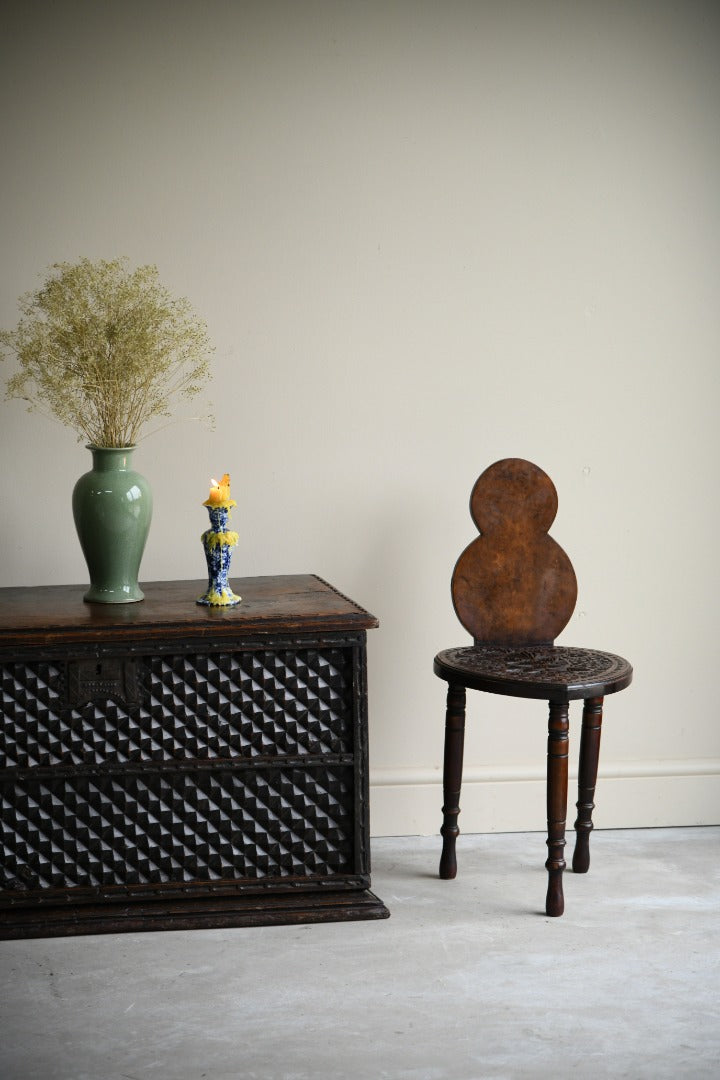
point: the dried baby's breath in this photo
(105, 349)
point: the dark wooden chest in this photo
(165, 765)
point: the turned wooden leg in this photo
(557, 784)
(587, 778)
(452, 777)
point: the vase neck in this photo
(111, 458)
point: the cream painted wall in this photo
(424, 236)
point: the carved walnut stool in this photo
(514, 589)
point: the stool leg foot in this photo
(452, 777)
(557, 782)
(587, 778)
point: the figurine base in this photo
(219, 598)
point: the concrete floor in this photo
(467, 980)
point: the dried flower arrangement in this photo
(105, 349)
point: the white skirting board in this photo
(629, 795)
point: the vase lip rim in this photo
(124, 449)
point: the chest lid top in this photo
(288, 603)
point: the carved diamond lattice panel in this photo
(31, 708)
(174, 825)
(192, 706)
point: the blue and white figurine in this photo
(218, 542)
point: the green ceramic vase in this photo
(112, 507)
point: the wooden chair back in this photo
(514, 585)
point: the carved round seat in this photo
(550, 672)
(514, 590)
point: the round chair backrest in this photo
(514, 584)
